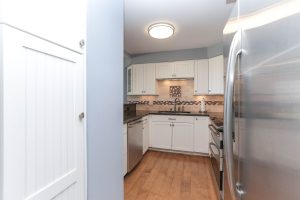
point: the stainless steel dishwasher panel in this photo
(135, 143)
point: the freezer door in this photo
(269, 135)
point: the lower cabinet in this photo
(124, 149)
(181, 133)
(161, 135)
(201, 136)
(183, 137)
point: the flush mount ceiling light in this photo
(161, 30)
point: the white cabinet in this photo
(201, 77)
(201, 137)
(216, 75)
(164, 70)
(184, 69)
(183, 137)
(129, 80)
(138, 79)
(161, 135)
(149, 79)
(124, 149)
(180, 69)
(172, 132)
(141, 79)
(145, 134)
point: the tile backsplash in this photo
(214, 103)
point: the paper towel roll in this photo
(202, 107)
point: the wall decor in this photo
(175, 91)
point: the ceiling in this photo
(198, 23)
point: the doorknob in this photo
(81, 116)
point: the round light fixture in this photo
(161, 30)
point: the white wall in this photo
(105, 99)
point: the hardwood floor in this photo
(168, 176)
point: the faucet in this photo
(177, 100)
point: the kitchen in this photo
(115, 100)
(175, 99)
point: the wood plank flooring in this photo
(169, 176)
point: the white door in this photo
(161, 135)
(43, 136)
(149, 79)
(165, 70)
(201, 138)
(183, 137)
(138, 79)
(184, 69)
(201, 77)
(216, 75)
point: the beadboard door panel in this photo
(43, 137)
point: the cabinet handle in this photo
(171, 118)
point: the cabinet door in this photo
(201, 137)
(161, 135)
(43, 143)
(216, 75)
(138, 79)
(201, 77)
(164, 70)
(184, 69)
(145, 134)
(183, 137)
(129, 80)
(149, 79)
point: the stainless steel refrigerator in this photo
(262, 101)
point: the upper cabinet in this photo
(216, 75)
(129, 80)
(201, 77)
(141, 79)
(164, 70)
(180, 69)
(209, 77)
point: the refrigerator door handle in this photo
(234, 52)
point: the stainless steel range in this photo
(216, 153)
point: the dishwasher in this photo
(135, 143)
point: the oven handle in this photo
(212, 152)
(234, 53)
(214, 130)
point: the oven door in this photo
(216, 160)
(216, 136)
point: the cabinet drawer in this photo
(172, 118)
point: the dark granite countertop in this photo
(216, 117)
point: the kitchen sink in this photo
(174, 112)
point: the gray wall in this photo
(168, 56)
(105, 99)
(215, 50)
